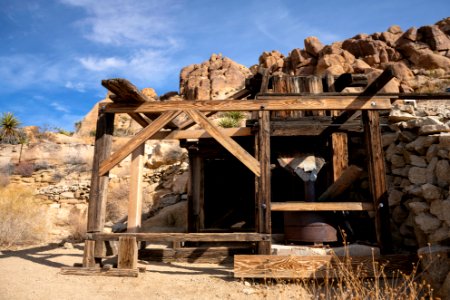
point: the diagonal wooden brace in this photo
(226, 141)
(137, 140)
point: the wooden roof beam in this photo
(227, 142)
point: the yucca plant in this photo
(231, 119)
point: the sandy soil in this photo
(33, 273)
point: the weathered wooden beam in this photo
(139, 119)
(339, 145)
(227, 142)
(212, 255)
(322, 206)
(135, 191)
(281, 266)
(99, 181)
(278, 103)
(200, 133)
(183, 237)
(128, 252)
(88, 254)
(263, 221)
(136, 141)
(348, 176)
(99, 272)
(377, 179)
(196, 194)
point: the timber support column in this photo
(196, 195)
(99, 184)
(263, 199)
(377, 178)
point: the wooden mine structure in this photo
(268, 98)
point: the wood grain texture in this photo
(99, 272)
(88, 254)
(377, 179)
(321, 206)
(135, 194)
(183, 237)
(196, 194)
(200, 134)
(291, 103)
(136, 141)
(128, 252)
(99, 182)
(339, 144)
(228, 143)
(280, 266)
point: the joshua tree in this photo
(10, 132)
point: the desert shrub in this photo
(231, 119)
(42, 165)
(24, 169)
(117, 204)
(22, 220)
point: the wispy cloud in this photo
(101, 64)
(132, 23)
(59, 107)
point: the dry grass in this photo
(78, 225)
(22, 220)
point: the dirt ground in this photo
(33, 273)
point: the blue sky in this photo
(54, 54)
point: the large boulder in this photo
(313, 45)
(217, 78)
(434, 37)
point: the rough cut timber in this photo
(100, 272)
(350, 175)
(321, 206)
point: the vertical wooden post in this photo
(135, 196)
(377, 178)
(263, 200)
(99, 184)
(339, 143)
(88, 255)
(196, 198)
(128, 253)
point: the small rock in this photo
(397, 161)
(418, 161)
(389, 138)
(68, 245)
(395, 197)
(419, 207)
(442, 172)
(431, 152)
(431, 192)
(427, 222)
(440, 209)
(417, 175)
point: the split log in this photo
(350, 175)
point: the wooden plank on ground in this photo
(135, 191)
(280, 266)
(227, 142)
(183, 237)
(136, 141)
(279, 103)
(127, 258)
(322, 206)
(99, 272)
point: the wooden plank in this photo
(227, 142)
(88, 254)
(326, 266)
(281, 266)
(212, 255)
(99, 181)
(347, 178)
(377, 178)
(99, 272)
(322, 206)
(139, 119)
(263, 221)
(200, 133)
(127, 258)
(136, 141)
(278, 103)
(184, 237)
(135, 191)
(339, 144)
(196, 195)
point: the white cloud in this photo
(130, 23)
(102, 64)
(59, 107)
(78, 86)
